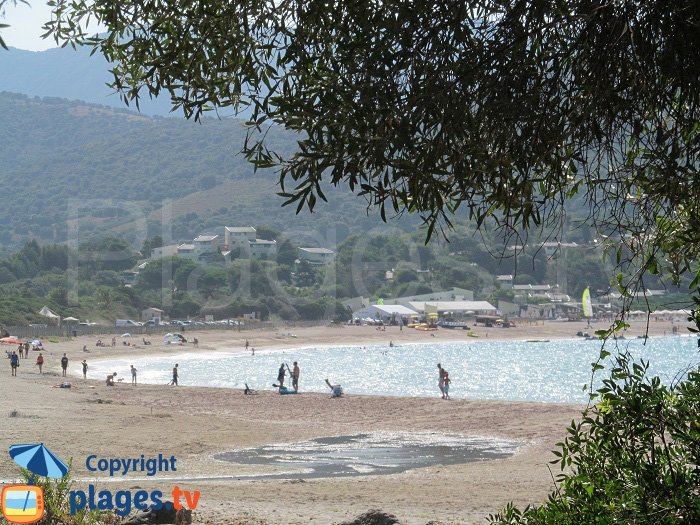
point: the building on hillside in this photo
(316, 255)
(552, 249)
(505, 281)
(164, 251)
(238, 237)
(262, 249)
(153, 313)
(186, 251)
(206, 247)
(129, 277)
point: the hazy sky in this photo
(25, 26)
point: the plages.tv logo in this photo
(24, 503)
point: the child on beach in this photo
(446, 379)
(40, 362)
(133, 375)
(85, 368)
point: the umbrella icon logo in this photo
(23, 504)
(38, 460)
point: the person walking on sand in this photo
(85, 367)
(20, 349)
(195, 342)
(175, 375)
(14, 362)
(64, 364)
(280, 376)
(40, 362)
(295, 377)
(441, 380)
(133, 375)
(246, 344)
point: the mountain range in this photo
(67, 73)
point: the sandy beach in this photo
(194, 424)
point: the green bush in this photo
(633, 458)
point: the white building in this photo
(205, 247)
(462, 307)
(316, 255)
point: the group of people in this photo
(293, 373)
(23, 349)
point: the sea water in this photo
(551, 372)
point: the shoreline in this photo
(196, 423)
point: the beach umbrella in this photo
(11, 341)
(39, 460)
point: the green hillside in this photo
(74, 171)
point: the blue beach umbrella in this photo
(39, 460)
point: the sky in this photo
(25, 26)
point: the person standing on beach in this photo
(175, 375)
(85, 367)
(446, 381)
(64, 364)
(441, 380)
(133, 375)
(280, 376)
(295, 377)
(40, 362)
(14, 362)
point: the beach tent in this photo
(70, 320)
(46, 312)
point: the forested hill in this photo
(75, 169)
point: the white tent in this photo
(46, 312)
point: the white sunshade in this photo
(455, 306)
